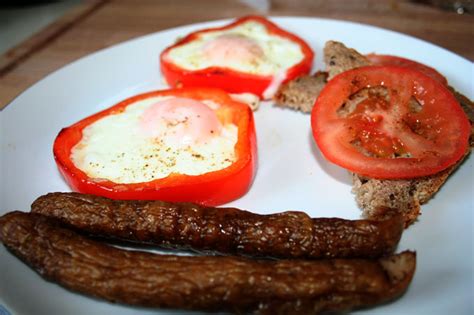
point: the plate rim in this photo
(227, 20)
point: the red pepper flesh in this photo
(213, 188)
(230, 80)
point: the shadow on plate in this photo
(338, 173)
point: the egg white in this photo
(115, 149)
(279, 52)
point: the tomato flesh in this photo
(388, 60)
(389, 122)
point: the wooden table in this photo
(97, 24)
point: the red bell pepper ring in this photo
(213, 188)
(234, 81)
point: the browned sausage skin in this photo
(227, 230)
(202, 283)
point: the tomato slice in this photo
(389, 122)
(229, 79)
(211, 188)
(388, 60)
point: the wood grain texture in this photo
(98, 24)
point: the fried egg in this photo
(155, 137)
(247, 47)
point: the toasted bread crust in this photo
(301, 93)
(379, 197)
(339, 58)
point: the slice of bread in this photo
(378, 198)
(301, 93)
(339, 58)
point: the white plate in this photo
(292, 174)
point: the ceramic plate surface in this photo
(292, 174)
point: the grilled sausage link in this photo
(208, 283)
(227, 230)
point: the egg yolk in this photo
(182, 121)
(232, 47)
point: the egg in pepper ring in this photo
(250, 55)
(195, 145)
